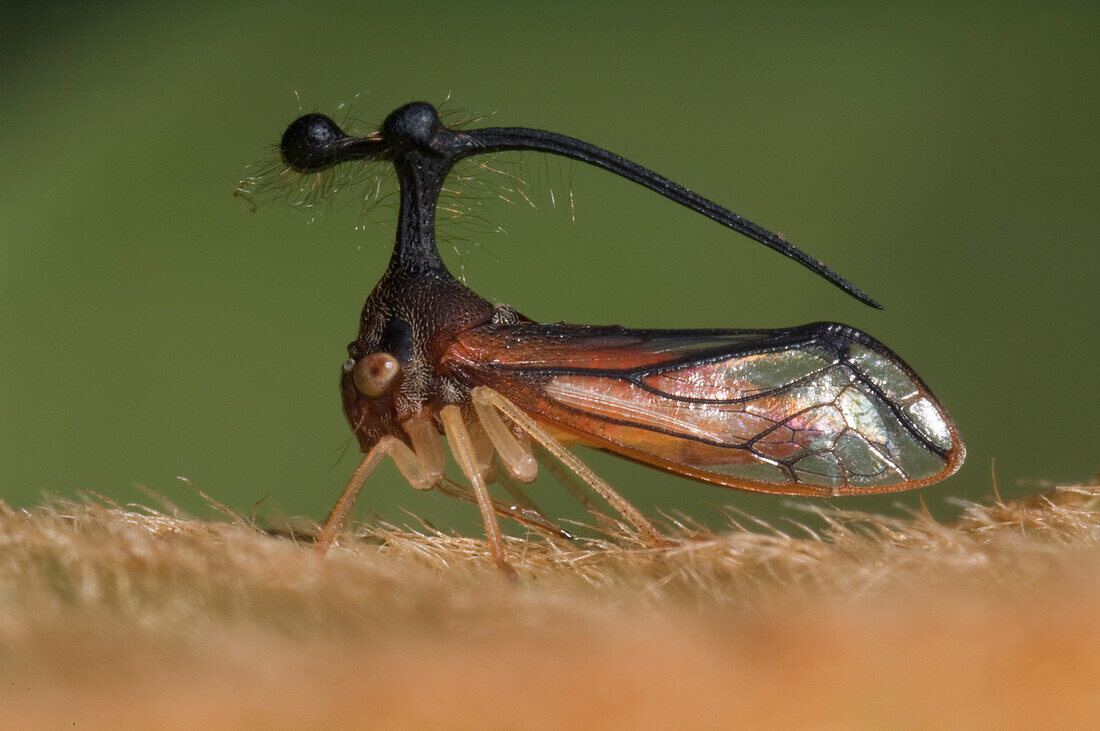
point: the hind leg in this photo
(488, 403)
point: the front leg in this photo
(411, 466)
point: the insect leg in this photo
(407, 462)
(575, 488)
(463, 449)
(428, 445)
(522, 514)
(505, 480)
(486, 399)
(483, 448)
(515, 455)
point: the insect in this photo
(822, 409)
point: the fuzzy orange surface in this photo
(113, 617)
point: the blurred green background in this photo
(943, 157)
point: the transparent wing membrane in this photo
(821, 409)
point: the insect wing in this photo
(821, 409)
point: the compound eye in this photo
(374, 374)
